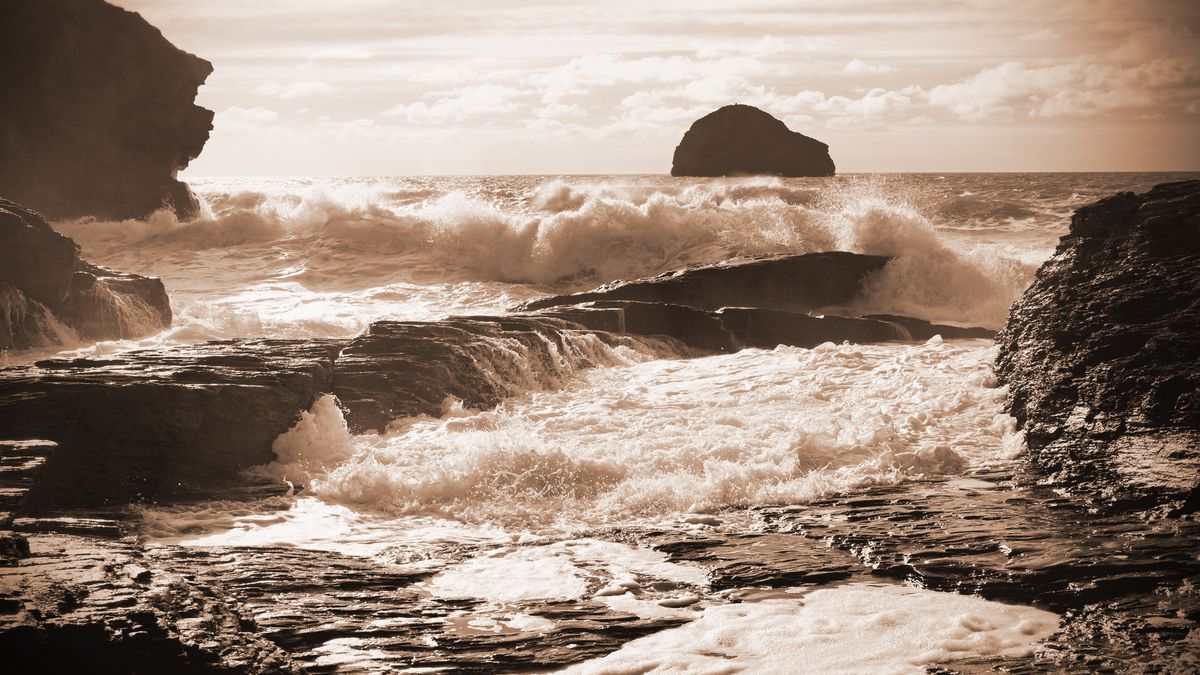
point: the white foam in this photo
(664, 440)
(303, 257)
(573, 569)
(856, 628)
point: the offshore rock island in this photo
(98, 114)
(741, 140)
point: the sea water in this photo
(645, 441)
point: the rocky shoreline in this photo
(209, 410)
(49, 296)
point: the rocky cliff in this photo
(740, 140)
(1102, 353)
(49, 296)
(98, 113)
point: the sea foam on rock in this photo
(98, 113)
(1102, 353)
(739, 140)
(48, 295)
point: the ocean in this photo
(575, 499)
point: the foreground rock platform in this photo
(49, 296)
(741, 140)
(1102, 353)
(160, 424)
(98, 114)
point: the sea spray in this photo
(660, 439)
(361, 247)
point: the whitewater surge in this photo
(662, 439)
(324, 257)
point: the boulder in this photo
(791, 283)
(1102, 352)
(98, 114)
(741, 140)
(49, 296)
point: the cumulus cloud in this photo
(582, 74)
(293, 89)
(1079, 88)
(457, 105)
(238, 120)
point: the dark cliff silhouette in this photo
(98, 111)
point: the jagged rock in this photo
(48, 295)
(792, 283)
(160, 424)
(1102, 353)
(404, 368)
(98, 114)
(739, 140)
(732, 328)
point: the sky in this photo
(379, 87)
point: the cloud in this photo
(238, 120)
(860, 67)
(293, 89)
(457, 105)
(1080, 88)
(581, 75)
(340, 53)
(874, 108)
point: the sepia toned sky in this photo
(380, 87)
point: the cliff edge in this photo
(98, 114)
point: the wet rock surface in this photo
(1127, 588)
(48, 295)
(160, 424)
(740, 140)
(98, 113)
(206, 412)
(792, 283)
(404, 368)
(1102, 354)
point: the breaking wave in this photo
(551, 235)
